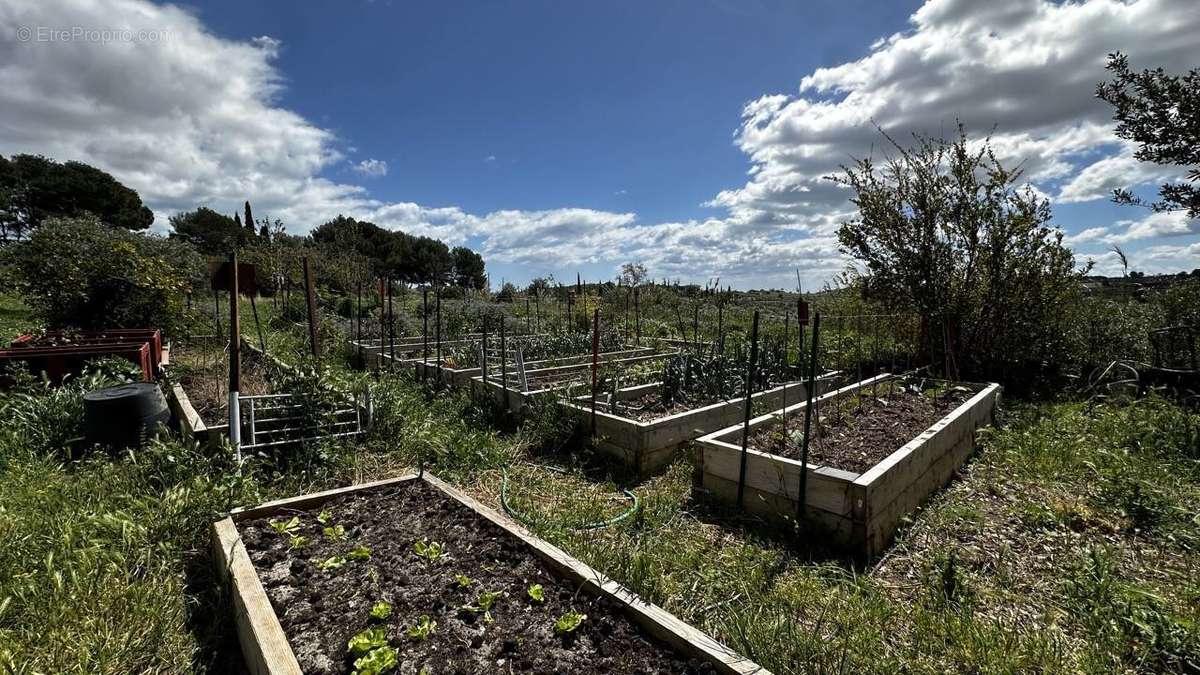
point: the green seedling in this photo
(324, 517)
(430, 550)
(483, 604)
(367, 640)
(537, 593)
(332, 563)
(423, 629)
(381, 610)
(286, 527)
(378, 661)
(359, 553)
(463, 580)
(335, 533)
(569, 622)
(299, 541)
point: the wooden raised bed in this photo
(861, 510)
(268, 651)
(461, 377)
(517, 400)
(191, 425)
(647, 446)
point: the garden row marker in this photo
(310, 299)
(235, 360)
(746, 420)
(812, 376)
(595, 363)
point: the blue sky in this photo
(565, 136)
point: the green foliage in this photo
(379, 660)
(211, 233)
(381, 610)
(332, 562)
(423, 628)
(359, 553)
(536, 593)
(34, 190)
(79, 273)
(431, 551)
(286, 527)
(942, 228)
(367, 640)
(569, 622)
(463, 580)
(1159, 112)
(334, 532)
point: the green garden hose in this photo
(604, 524)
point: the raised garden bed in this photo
(876, 454)
(647, 440)
(465, 590)
(461, 377)
(544, 382)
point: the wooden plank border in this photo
(265, 645)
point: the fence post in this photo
(235, 360)
(438, 304)
(425, 332)
(746, 418)
(595, 363)
(521, 370)
(503, 364)
(310, 299)
(802, 498)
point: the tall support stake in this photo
(382, 331)
(310, 298)
(483, 355)
(262, 342)
(503, 363)
(528, 327)
(637, 314)
(595, 363)
(537, 308)
(437, 302)
(358, 325)
(749, 405)
(802, 498)
(391, 326)
(235, 361)
(425, 332)
(217, 313)
(787, 378)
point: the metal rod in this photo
(235, 360)
(425, 331)
(437, 293)
(749, 404)
(391, 326)
(595, 363)
(802, 498)
(503, 363)
(358, 326)
(262, 342)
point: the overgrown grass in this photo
(15, 317)
(1069, 545)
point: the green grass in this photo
(15, 317)
(1069, 545)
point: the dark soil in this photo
(321, 610)
(856, 433)
(204, 375)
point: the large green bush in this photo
(80, 273)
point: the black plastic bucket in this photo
(124, 415)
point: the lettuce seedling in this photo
(371, 638)
(299, 541)
(287, 527)
(535, 591)
(463, 580)
(335, 533)
(430, 550)
(324, 517)
(423, 629)
(332, 563)
(567, 623)
(360, 552)
(378, 661)
(381, 610)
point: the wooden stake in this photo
(746, 418)
(310, 297)
(235, 360)
(595, 363)
(802, 498)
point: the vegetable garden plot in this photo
(461, 377)
(413, 576)
(640, 428)
(878, 449)
(543, 382)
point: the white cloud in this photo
(195, 119)
(1156, 225)
(371, 167)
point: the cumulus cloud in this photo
(195, 119)
(1156, 225)
(371, 167)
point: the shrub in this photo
(80, 273)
